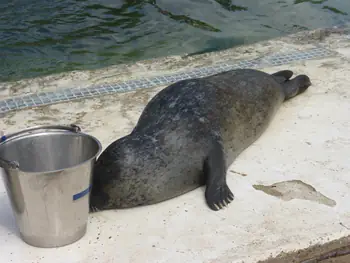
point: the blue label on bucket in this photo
(81, 194)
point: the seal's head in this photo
(296, 86)
(303, 82)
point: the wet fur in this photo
(188, 135)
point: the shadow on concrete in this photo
(7, 219)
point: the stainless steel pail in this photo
(47, 174)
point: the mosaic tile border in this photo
(47, 98)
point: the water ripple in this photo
(41, 37)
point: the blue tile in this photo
(10, 103)
(94, 92)
(187, 76)
(46, 101)
(61, 97)
(110, 89)
(103, 91)
(64, 99)
(43, 97)
(157, 81)
(4, 109)
(27, 97)
(105, 86)
(130, 82)
(56, 99)
(114, 86)
(33, 96)
(76, 92)
(37, 102)
(128, 88)
(39, 95)
(123, 85)
(146, 84)
(118, 89)
(191, 73)
(70, 96)
(84, 89)
(30, 103)
(51, 97)
(59, 93)
(22, 106)
(142, 80)
(18, 99)
(68, 92)
(86, 93)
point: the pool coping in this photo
(70, 94)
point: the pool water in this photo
(41, 37)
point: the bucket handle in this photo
(7, 165)
(15, 165)
(72, 128)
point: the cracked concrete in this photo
(295, 189)
(304, 154)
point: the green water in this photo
(40, 37)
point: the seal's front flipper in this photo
(217, 193)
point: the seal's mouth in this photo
(304, 87)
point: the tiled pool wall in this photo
(64, 95)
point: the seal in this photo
(188, 135)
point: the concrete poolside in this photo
(291, 187)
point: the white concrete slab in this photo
(304, 154)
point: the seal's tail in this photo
(295, 86)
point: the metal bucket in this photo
(47, 173)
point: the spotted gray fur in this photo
(188, 135)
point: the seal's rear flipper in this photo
(217, 193)
(282, 76)
(296, 86)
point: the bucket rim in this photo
(72, 127)
(14, 165)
